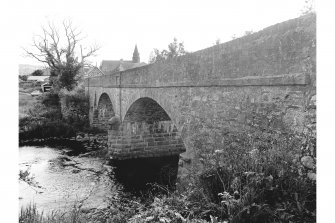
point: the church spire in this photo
(136, 55)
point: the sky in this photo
(116, 26)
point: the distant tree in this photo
(175, 49)
(23, 77)
(61, 54)
(308, 7)
(217, 41)
(37, 73)
(157, 56)
(248, 32)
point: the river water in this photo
(60, 181)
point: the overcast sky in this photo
(118, 25)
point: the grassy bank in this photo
(61, 114)
(26, 102)
(30, 214)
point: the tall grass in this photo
(26, 102)
(30, 214)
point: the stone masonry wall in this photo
(222, 88)
(285, 48)
(138, 140)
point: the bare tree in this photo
(60, 53)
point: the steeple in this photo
(136, 55)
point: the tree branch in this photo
(59, 55)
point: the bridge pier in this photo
(145, 153)
(139, 173)
(139, 140)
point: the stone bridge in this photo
(161, 109)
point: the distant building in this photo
(38, 78)
(46, 87)
(93, 72)
(114, 66)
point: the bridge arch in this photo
(103, 112)
(147, 110)
(148, 121)
(162, 101)
(148, 146)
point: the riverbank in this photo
(81, 144)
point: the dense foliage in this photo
(75, 107)
(37, 73)
(56, 115)
(23, 77)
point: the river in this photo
(60, 181)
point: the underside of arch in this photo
(146, 131)
(146, 110)
(103, 112)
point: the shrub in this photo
(75, 107)
(265, 172)
(56, 115)
(50, 99)
(47, 129)
(23, 77)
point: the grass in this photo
(30, 214)
(26, 102)
(29, 87)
